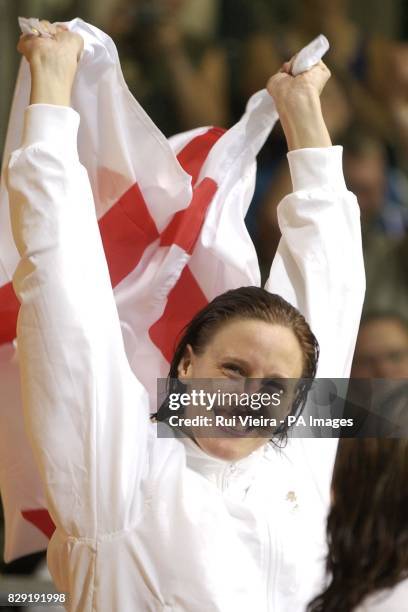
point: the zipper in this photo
(273, 566)
(269, 592)
(230, 469)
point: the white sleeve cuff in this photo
(317, 168)
(52, 125)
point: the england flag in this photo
(171, 216)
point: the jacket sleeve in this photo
(319, 269)
(319, 263)
(86, 414)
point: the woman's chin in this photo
(229, 449)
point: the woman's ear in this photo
(185, 367)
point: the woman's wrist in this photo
(303, 123)
(51, 84)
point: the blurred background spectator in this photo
(382, 347)
(172, 61)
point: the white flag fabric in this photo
(171, 216)
(151, 198)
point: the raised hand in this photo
(53, 63)
(287, 89)
(297, 101)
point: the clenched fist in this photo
(292, 91)
(53, 63)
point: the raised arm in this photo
(86, 413)
(319, 264)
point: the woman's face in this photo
(238, 350)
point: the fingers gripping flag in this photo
(171, 215)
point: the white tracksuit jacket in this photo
(147, 524)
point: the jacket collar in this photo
(232, 477)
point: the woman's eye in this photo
(273, 385)
(234, 368)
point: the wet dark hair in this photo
(367, 527)
(248, 303)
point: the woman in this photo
(368, 538)
(166, 524)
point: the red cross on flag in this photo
(171, 216)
